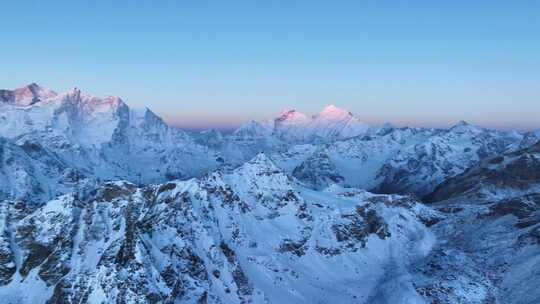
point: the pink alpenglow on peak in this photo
(77, 94)
(26, 96)
(291, 124)
(292, 116)
(333, 112)
(89, 119)
(332, 123)
(337, 123)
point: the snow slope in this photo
(251, 235)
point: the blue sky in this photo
(220, 63)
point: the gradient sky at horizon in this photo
(220, 63)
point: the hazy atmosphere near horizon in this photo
(270, 152)
(202, 64)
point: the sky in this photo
(203, 64)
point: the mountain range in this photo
(103, 203)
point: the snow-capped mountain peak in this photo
(258, 169)
(261, 177)
(27, 95)
(292, 115)
(76, 95)
(291, 124)
(385, 129)
(463, 126)
(337, 123)
(260, 164)
(331, 112)
(146, 119)
(253, 129)
(74, 92)
(332, 123)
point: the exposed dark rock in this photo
(296, 247)
(166, 187)
(239, 277)
(37, 254)
(228, 252)
(451, 209)
(112, 191)
(194, 265)
(361, 224)
(328, 251)
(521, 207)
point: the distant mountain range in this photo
(103, 203)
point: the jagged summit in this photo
(34, 94)
(291, 117)
(77, 95)
(26, 95)
(293, 114)
(74, 91)
(260, 176)
(102, 137)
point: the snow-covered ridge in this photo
(248, 236)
